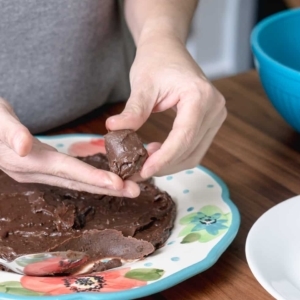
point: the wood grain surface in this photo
(256, 153)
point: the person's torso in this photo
(61, 59)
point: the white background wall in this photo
(220, 36)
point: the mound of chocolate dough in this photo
(38, 218)
(125, 152)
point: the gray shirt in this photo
(60, 59)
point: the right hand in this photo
(26, 159)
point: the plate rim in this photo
(255, 271)
(163, 283)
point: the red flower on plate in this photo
(108, 281)
(53, 265)
(87, 148)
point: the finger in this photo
(130, 189)
(137, 110)
(42, 160)
(195, 157)
(136, 178)
(214, 118)
(186, 126)
(12, 132)
(64, 166)
(153, 147)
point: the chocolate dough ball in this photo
(125, 152)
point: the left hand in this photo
(164, 76)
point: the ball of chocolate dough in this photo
(125, 152)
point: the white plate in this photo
(273, 250)
(207, 221)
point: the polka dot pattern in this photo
(149, 264)
(175, 258)
(189, 172)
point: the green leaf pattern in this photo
(15, 288)
(145, 274)
(191, 237)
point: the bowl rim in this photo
(264, 23)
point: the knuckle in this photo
(59, 168)
(58, 172)
(137, 107)
(205, 93)
(188, 136)
(6, 107)
(72, 185)
(220, 100)
(202, 86)
(199, 93)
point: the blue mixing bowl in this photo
(275, 43)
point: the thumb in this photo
(12, 133)
(137, 110)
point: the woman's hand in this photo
(26, 159)
(164, 76)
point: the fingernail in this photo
(108, 183)
(115, 118)
(114, 182)
(110, 187)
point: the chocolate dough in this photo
(36, 218)
(125, 152)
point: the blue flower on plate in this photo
(204, 225)
(212, 224)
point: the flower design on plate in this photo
(107, 281)
(92, 147)
(205, 225)
(41, 265)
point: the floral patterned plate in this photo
(207, 222)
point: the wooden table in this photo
(256, 153)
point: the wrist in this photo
(162, 40)
(158, 32)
